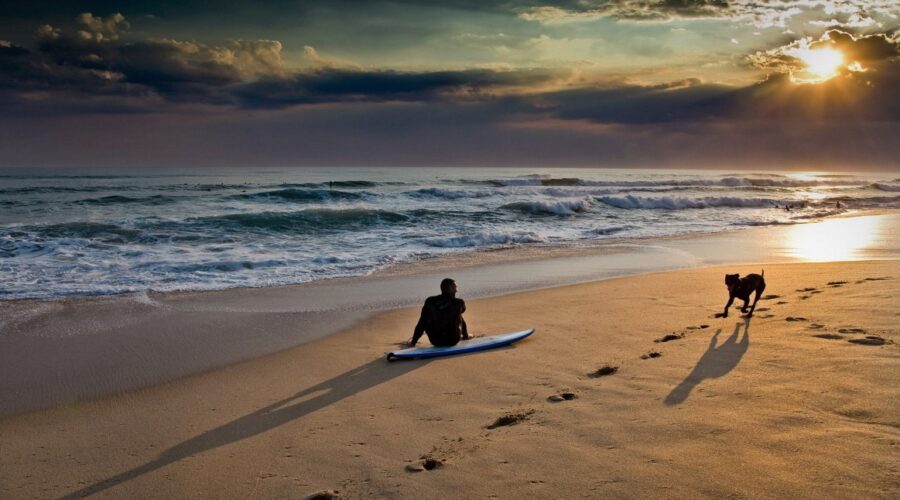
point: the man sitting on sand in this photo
(442, 318)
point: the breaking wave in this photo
(886, 187)
(630, 202)
(483, 239)
(549, 207)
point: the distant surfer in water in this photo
(441, 318)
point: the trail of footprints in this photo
(438, 457)
(872, 340)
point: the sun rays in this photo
(820, 65)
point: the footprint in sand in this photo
(851, 330)
(804, 297)
(770, 297)
(432, 463)
(427, 463)
(795, 318)
(603, 371)
(700, 327)
(510, 419)
(324, 495)
(762, 309)
(781, 303)
(651, 355)
(882, 278)
(764, 316)
(828, 336)
(669, 337)
(869, 340)
(815, 326)
(836, 284)
(563, 396)
(805, 289)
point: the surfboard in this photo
(464, 346)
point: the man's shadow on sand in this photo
(276, 414)
(715, 362)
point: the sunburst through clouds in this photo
(820, 65)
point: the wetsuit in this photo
(442, 320)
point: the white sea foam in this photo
(677, 203)
(483, 239)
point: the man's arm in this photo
(420, 326)
(462, 322)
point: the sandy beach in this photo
(799, 401)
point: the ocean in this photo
(113, 231)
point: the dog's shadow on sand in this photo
(276, 414)
(715, 362)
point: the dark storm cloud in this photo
(353, 85)
(627, 10)
(251, 74)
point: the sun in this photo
(821, 64)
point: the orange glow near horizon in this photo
(833, 240)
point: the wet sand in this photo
(800, 401)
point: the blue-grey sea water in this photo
(108, 231)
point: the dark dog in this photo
(741, 288)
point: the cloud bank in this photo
(242, 101)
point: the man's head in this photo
(448, 287)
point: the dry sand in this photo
(794, 403)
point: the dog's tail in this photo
(763, 274)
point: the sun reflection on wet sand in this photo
(834, 240)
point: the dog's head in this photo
(731, 280)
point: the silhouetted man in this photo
(441, 318)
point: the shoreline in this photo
(53, 352)
(763, 408)
(479, 257)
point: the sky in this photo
(777, 84)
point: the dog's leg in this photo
(759, 292)
(730, 301)
(744, 309)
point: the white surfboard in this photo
(464, 346)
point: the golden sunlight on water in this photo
(834, 240)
